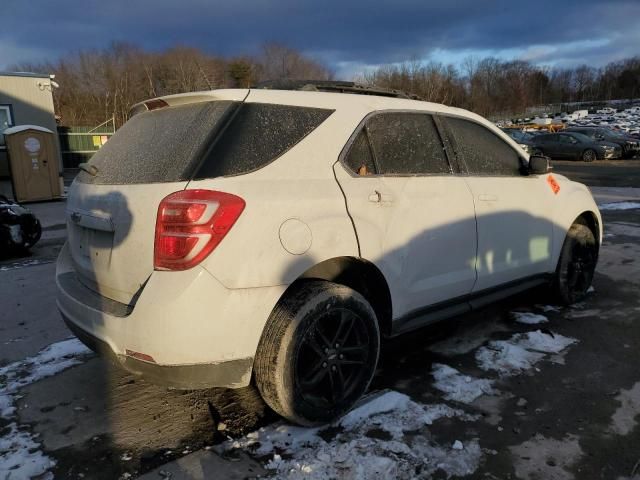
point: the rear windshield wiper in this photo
(90, 169)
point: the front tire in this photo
(577, 264)
(589, 155)
(318, 352)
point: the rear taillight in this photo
(190, 224)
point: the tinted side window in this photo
(483, 151)
(360, 158)
(257, 135)
(407, 143)
(588, 133)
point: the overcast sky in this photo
(348, 36)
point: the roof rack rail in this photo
(334, 86)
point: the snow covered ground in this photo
(620, 206)
(20, 453)
(388, 434)
(385, 437)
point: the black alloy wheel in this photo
(331, 357)
(589, 155)
(318, 352)
(577, 264)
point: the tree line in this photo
(491, 86)
(96, 85)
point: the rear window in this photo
(201, 140)
(157, 146)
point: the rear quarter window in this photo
(258, 134)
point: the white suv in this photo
(232, 235)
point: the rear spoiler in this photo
(185, 98)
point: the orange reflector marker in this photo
(555, 187)
(140, 356)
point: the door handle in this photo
(377, 197)
(483, 197)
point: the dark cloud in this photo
(362, 32)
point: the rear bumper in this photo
(185, 331)
(233, 373)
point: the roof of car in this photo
(355, 105)
(316, 99)
(307, 98)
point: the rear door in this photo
(512, 209)
(414, 218)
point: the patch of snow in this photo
(6, 405)
(49, 361)
(544, 342)
(20, 455)
(382, 404)
(19, 451)
(591, 289)
(623, 420)
(521, 352)
(457, 445)
(506, 358)
(529, 318)
(620, 206)
(296, 452)
(458, 387)
(546, 458)
(24, 263)
(548, 308)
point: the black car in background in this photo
(574, 146)
(630, 146)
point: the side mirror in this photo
(539, 165)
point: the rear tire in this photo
(576, 266)
(318, 352)
(589, 155)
